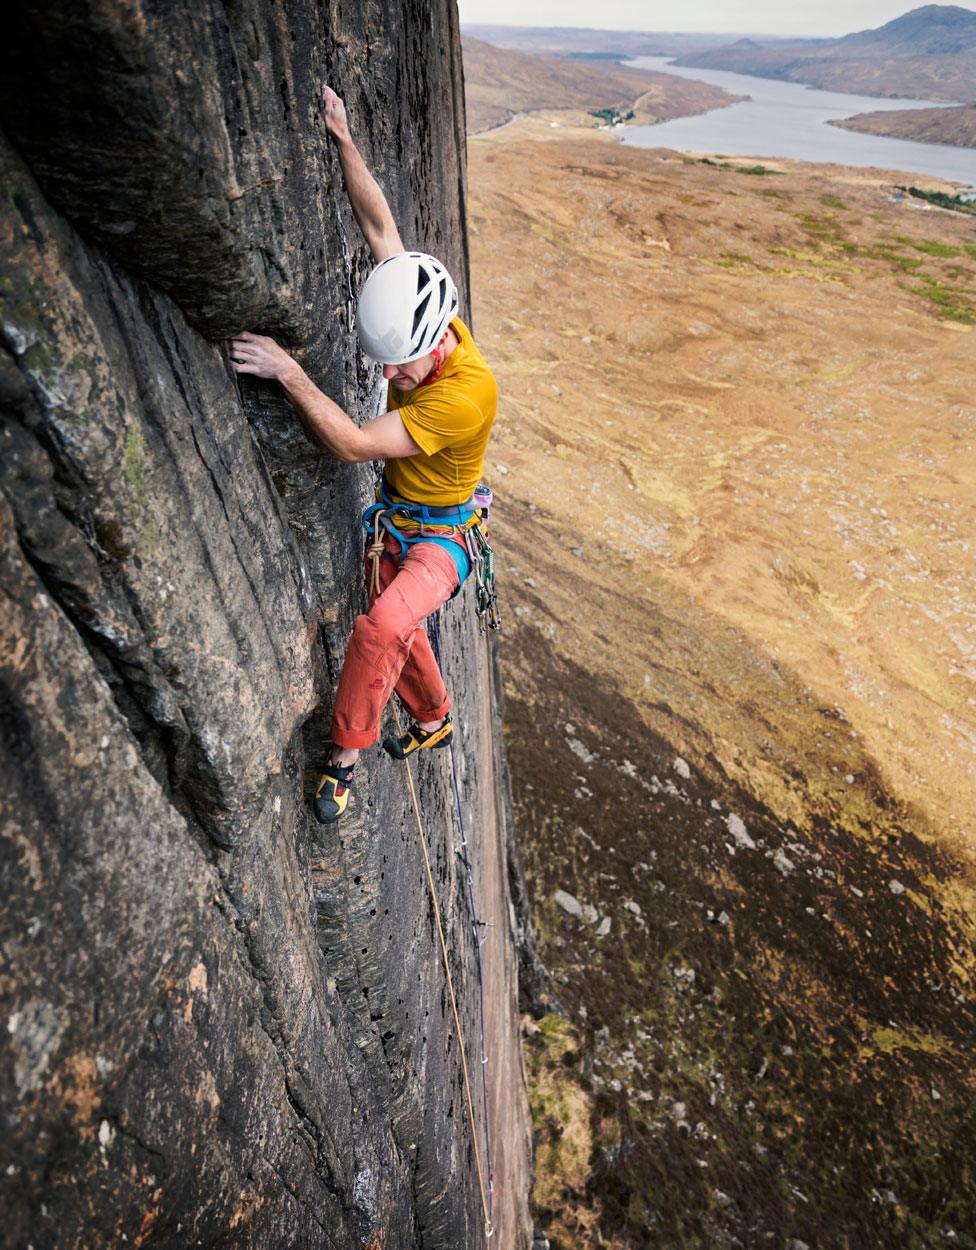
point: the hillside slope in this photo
(224, 1025)
(498, 83)
(929, 53)
(736, 519)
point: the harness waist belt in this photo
(460, 512)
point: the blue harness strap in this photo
(457, 516)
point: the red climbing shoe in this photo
(415, 739)
(332, 796)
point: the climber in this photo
(440, 406)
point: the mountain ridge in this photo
(927, 53)
(930, 21)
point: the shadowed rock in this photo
(223, 1024)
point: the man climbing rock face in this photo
(441, 402)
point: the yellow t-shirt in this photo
(450, 421)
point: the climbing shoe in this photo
(332, 796)
(416, 740)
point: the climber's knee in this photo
(379, 632)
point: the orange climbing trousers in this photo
(389, 649)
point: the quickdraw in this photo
(483, 566)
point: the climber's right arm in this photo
(383, 438)
(368, 202)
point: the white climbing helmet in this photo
(404, 308)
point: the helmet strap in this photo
(438, 354)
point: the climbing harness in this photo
(409, 523)
(485, 1189)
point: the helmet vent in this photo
(422, 279)
(419, 314)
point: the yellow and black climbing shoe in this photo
(416, 740)
(332, 796)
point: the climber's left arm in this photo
(383, 438)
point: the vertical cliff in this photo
(224, 1025)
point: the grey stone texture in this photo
(222, 1025)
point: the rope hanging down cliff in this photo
(476, 926)
(483, 1186)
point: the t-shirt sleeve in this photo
(435, 422)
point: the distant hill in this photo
(499, 82)
(569, 40)
(933, 30)
(956, 126)
(929, 53)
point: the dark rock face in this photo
(223, 1024)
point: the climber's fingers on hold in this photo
(248, 346)
(257, 353)
(248, 340)
(335, 110)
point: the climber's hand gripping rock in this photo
(336, 122)
(260, 355)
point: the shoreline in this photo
(847, 123)
(566, 126)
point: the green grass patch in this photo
(907, 264)
(832, 201)
(825, 230)
(809, 258)
(946, 299)
(756, 171)
(931, 248)
(885, 252)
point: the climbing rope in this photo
(485, 1190)
(476, 925)
(375, 552)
